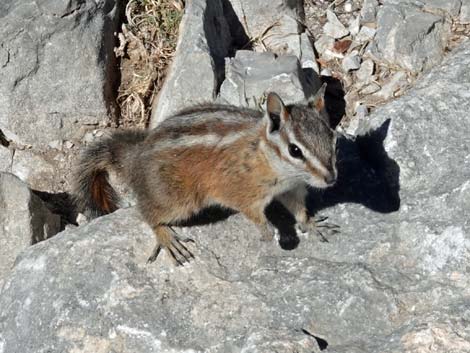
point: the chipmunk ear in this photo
(318, 100)
(276, 111)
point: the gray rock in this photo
(370, 88)
(307, 56)
(58, 69)
(24, 220)
(354, 26)
(464, 16)
(394, 84)
(396, 276)
(258, 18)
(364, 74)
(351, 61)
(250, 75)
(410, 38)
(197, 68)
(324, 45)
(452, 7)
(365, 34)
(334, 28)
(369, 11)
(58, 73)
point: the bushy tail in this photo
(92, 192)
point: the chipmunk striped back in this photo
(213, 154)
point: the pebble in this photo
(370, 89)
(326, 72)
(334, 28)
(364, 74)
(352, 61)
(324, 45)
(365, 34)
(394, 84)
(354, 26)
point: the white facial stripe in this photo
(307, 154)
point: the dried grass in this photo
(146, 47)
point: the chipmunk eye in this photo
(295, 151)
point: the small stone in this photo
(369, 11)
(364, 74)
(396, 82)
(334, 28)
(326, 72)
(370, 89)
(68, 144)
(348, 6)
(342, 46)
(361, 111)
(351, 62)
(81, 219)
(354, 26)
(323, 44)
(365, 34)
(307, 59)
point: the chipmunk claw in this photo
(179, 253)
(318, 226)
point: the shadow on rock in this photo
(366, 175)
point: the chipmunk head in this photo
(301, 141)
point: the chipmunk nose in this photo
(330, 179)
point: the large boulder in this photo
(394, 280)
(410, 37)
(58, 72)
(24, 220)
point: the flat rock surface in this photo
(396, 279)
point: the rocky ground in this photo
(395, 279)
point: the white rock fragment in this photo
(352, 61)
(361, 111)
(325, 72)
(364, 74)
(348, 6)
(81, 219)
(354, 26)
(334, 28)
(68, 144)
(323, 44)
(369, 89)
(365, 34)
(396, 82)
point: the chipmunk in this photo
(214, 154)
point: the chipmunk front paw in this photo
(319, 227)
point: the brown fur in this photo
(172, 182)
